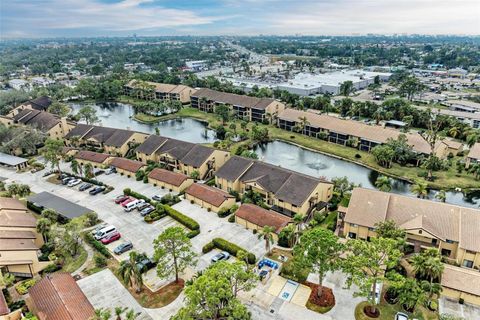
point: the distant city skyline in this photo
(71, 18)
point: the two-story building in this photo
(243, 107)
(158, 91)
(181, 156)
(118, 142)
(473, 155)
(452, 229)
(97, 160)
(285, 191)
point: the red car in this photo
(120, 199)
(124, 203)
(112, 237)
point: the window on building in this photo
(352, 235)
(446, 252)
(449, 241)
(371, 229)
(434, 241)
(354, 225)
(468, 263)
(419, 231)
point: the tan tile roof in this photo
(461, 279)
(58, 297)
(127, 164)
(92, 156)
(474, 152)
(208, 194)
(9, 218)
(354, 128)
(262, 217)
(172, 178)
(233, 99)
(17, 244)
(443, 220)
(11, 204)
(16, 234)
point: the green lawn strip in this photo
(73, 263)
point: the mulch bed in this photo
(327, 299)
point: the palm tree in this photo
(267, 234)
(383, 183)
(419, 188)
(454, 132)
(119, 311)
(428, 264)
(132, 315)
(298, 223)
(475, 169)
(129, 273)
(88, 170)
(101, 314)
(441, 195)
(76, 167)
(43, 227)
(303, 122)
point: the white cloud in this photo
(127, 15)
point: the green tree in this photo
(233, 127)
(411, 294)
(342, 186)
(365, 265)
(53, 152)
(88, 114)
(428, 265)
(319, 251)
(441, 195)
(388, 229)
(420, 189)
(346, 88)
(51, 215)
(195, 175)
(129, 272)
(411, 86)
(475, 170)
(249, 154)
(43, 227)
(173, 252)
(58, 108)
(88, 170)
(76, 167)
(212, 295)
(223, 112)
(384, 155)
(6, 280)
(18, 190)
(383, 183)
(266, 234)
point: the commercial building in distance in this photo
(244, 107)
(307, 84)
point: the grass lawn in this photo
(142, 117)
(330, 221)
(388, 312)
(73, 263)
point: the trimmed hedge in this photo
(22, 287)
(129, 192)
(154, 216)
(97, 245)
(229, 247)
(226, 212)
(183, 219)
(193, 234)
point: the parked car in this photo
(102, 233)
(124, 247)
(98, 228)
(85, 186)
(401, 316)
(62, 176)
(125, 202)
(146, 264)
(157, 197)
(120, 199)
(114, 236)
(74, 182)
(97, 172)
(111, 170)
(97, 190)
(149, 209)
(221, 256)
(142, 206)
(66, 180)
(133, 204)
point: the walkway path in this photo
(87, 261)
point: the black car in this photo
(96, 190)
(85, 186)
(146, 264)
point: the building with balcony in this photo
(285, 191)
(158, 91)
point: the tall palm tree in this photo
(132, 315)
(267, 234)
(88, 169)
(383, 183)
(298, 223)
(441, 195)
(475, 169)
(428, 264)
(129, 273)
(419, 188)
(76, 167)
(43, 227)
(454, 131)
(303, 122)
(119, 311)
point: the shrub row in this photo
(183, 219)
(226, 212)
(154, 216)
(129, 192)
(97, 245)
(229, 247)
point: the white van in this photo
(102, 233)
(132, 205)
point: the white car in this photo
(74, 182)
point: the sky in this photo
(79, 18)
